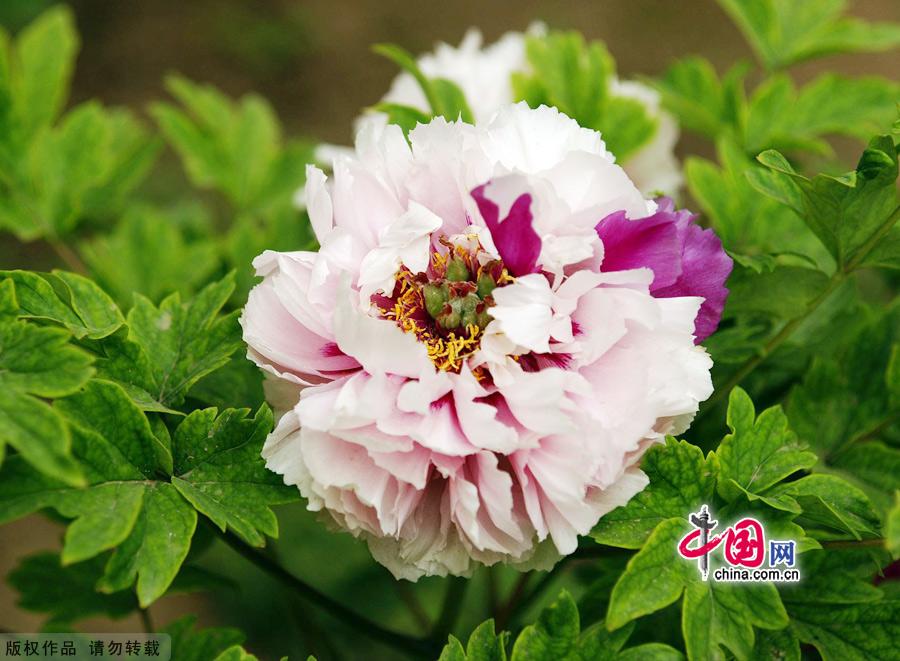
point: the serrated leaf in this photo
(38, 362)
(834, 504)
(45, 57)
(577, 77)
(553, 636)
(187, 341)
(125, 504)
(833, 576)
(681, 480)
(81, 168)
(847, 213)
(654, 577)
(776, 646)
(218, 470)
(148, 253)
(66, 593)
(200, 645)
(235, 147)
(236, 653)
(759, 452)
(484, 645)
(857, 631)
(783, 32)
(158, 544)
(725, 614)
(701, 101)
(714, 613)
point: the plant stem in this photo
(788, 329)
(69, 257)
(853, 544)
(453, 600)
(147, 620)
(415, 646)
(502, 616)
(413, 605)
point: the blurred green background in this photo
(312, 60)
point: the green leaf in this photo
(681, 480)
(444, 97)
(406, 117)
(38, 362)
(715, 614)
(784, 32)
(776, 646)
(856, 631)
(833, 504)
(44, 60)
(234, 147)
(725, 614)
(555, 634)
(759, 452)
(577, 78)
(158, 544)
(149, 253)
(847, 213)
(125, 506)
(750, 292)
(747, 222)
(203, 645)
(186, 340)
(484, 645)
(782, 118)
(892, 528)
(219, 471)
(80, 169)
(235, 653)
(68, 299)
(692, 91)
(654, 578)
(66, 594)
(833, 577)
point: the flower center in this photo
(448, 307)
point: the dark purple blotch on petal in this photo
(686, 259)
(514, 236)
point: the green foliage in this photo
(556, 636)
(577, 78)
(783, 32)
(218, 471)
(847, 213)
(202, 645)
(746, 473)
(56, 174)
(37, 362)
(105, 418)
(235, 148)
(445, 99)
(150, 251)
(66, 593)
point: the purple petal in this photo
(632, 244)
(693, 264)
(514, 236)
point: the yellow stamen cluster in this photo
(447, 353)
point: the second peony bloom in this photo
(496, 327)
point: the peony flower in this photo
(484, 74)
(496, 327)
